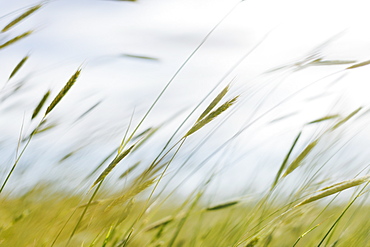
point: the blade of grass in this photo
(287, 156)
(63, 92)
(300, 158)
(357, 65)
(341, 122)
(335, 189)
(214, 103)
(113, 164)
(323, 119)
(15, 39)
(344, 211)
(223, 205)
(40, 104)
(18, 67)
(211, 116)
(84, 212)
(21, 17)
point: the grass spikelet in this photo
(223, 205)
(214, 103)
(283, 165)
(324, 119)
(63, 92)
(113, 164)
(40, 104)
(15, 39)
(357, 65)
(17, 68)
(211, 116)
(134, 191)
(159, 223)
(21, 17)
(346, 118)
(330, 190)
(300, 158)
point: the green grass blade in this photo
(223, 205)
(214, 103)
(300, 158)
(211, 116)
(15, 39)
(341, 122)
(343, 212)
(330, 190)
(113, 164)
(18, 67)
(283, 165)
(21, 17)
(40, 104)
(63, 92)
(323, 119)
(107, 237)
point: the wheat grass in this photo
(15, 39)
(63, 92)
(336, 188)
(18, 66)
(21, 17)
(40, 104)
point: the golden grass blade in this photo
(300, 158)
(63, 92)
(15, 39)
(21, 17)
(346, 119)
(214, 103)
(283, 165)
(17, 68)
(324, 119)
(113, 164)
(159, 223)
(357, 65)
(211, 116)
(223, 205)
(40, 104)
(338, 187)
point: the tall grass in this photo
(304, 204)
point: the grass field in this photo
(305, 202)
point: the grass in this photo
(304, 204)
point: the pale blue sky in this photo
(95, 34)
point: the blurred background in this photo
(287, 60)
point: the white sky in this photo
(95, 34)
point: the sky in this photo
(102, 37)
